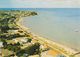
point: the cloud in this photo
(5, 4)
(45, 3)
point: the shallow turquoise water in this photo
(60, 25)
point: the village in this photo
(15, 41)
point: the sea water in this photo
(61, 25)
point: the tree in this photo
(30, 50)
(33, 49)
(17, 43)
(5, 44)
(29, 40)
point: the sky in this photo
(39, 3)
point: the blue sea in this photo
(61, 25)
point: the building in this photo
(1, 44)
(21, 40)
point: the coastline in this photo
(19, 40)
(53, 45)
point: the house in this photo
(12, 31)
(21, 40)
(15, 40)
(34, 56)
(25, 55)
(0, 53)
(60, 55)
(1, 44)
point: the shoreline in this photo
(53, 45)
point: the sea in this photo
(61, 25)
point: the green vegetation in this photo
(13, 47)
(30, 50)
(8, 19)
(17, 41)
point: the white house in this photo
(12, 31)
(20, 40)
(1, 44)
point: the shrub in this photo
(30, 50)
